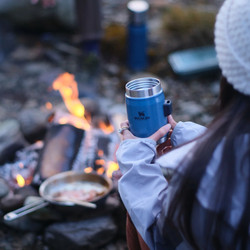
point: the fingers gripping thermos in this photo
(147, 108)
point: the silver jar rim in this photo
(143, 87)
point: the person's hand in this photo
(126, 134)
(167, 145)
(171, 121)
(45, 3)
(162, 148)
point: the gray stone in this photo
(26, 191)
(11, 138)
(191, 108)
(34, 121)
(86, 234)
(43, 214)
(4, 188)
(9, 129)
(11, 202)
(25, 223)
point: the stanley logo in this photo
(141, 116)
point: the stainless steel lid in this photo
(137, 11)
(143, 87)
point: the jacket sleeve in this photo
(185, 132)
(142, 187)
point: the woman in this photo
(206, 204)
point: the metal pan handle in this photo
(25, 210)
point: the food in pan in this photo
(82, 191)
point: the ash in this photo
(25, 164)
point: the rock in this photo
(112, 69)
(28, 240)
(43, 214)
(14, 239)
(11, 202)
(35, 68)
(4, 188)
(11, 139)
(34, 123)
(25, 223)
(23, 53)
(86, 234)
(191, 108)
(7, 40)
(26, 191)
(10, 129)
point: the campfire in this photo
(87, 157)
(76, 141)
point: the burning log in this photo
(61, 145)
(98, 145)
(69, 148)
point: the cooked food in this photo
(82, 191)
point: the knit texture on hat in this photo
(232, 43)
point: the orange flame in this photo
(20, 180)
(107, 129)
(112, 166)
(67, 86)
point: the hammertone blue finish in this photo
(146, 115)
(137, 47)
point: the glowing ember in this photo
(20, 180)
(100, 162)
(88, 170)
(112, 166)
(67, 86)
(48, 105)
(100, 153)
(100, 171)
(107, 129)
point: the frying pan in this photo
(59, 183)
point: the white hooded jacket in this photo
(145, 191)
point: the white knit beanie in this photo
(232, 43)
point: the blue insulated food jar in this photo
(147, 109)
(137, 35)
